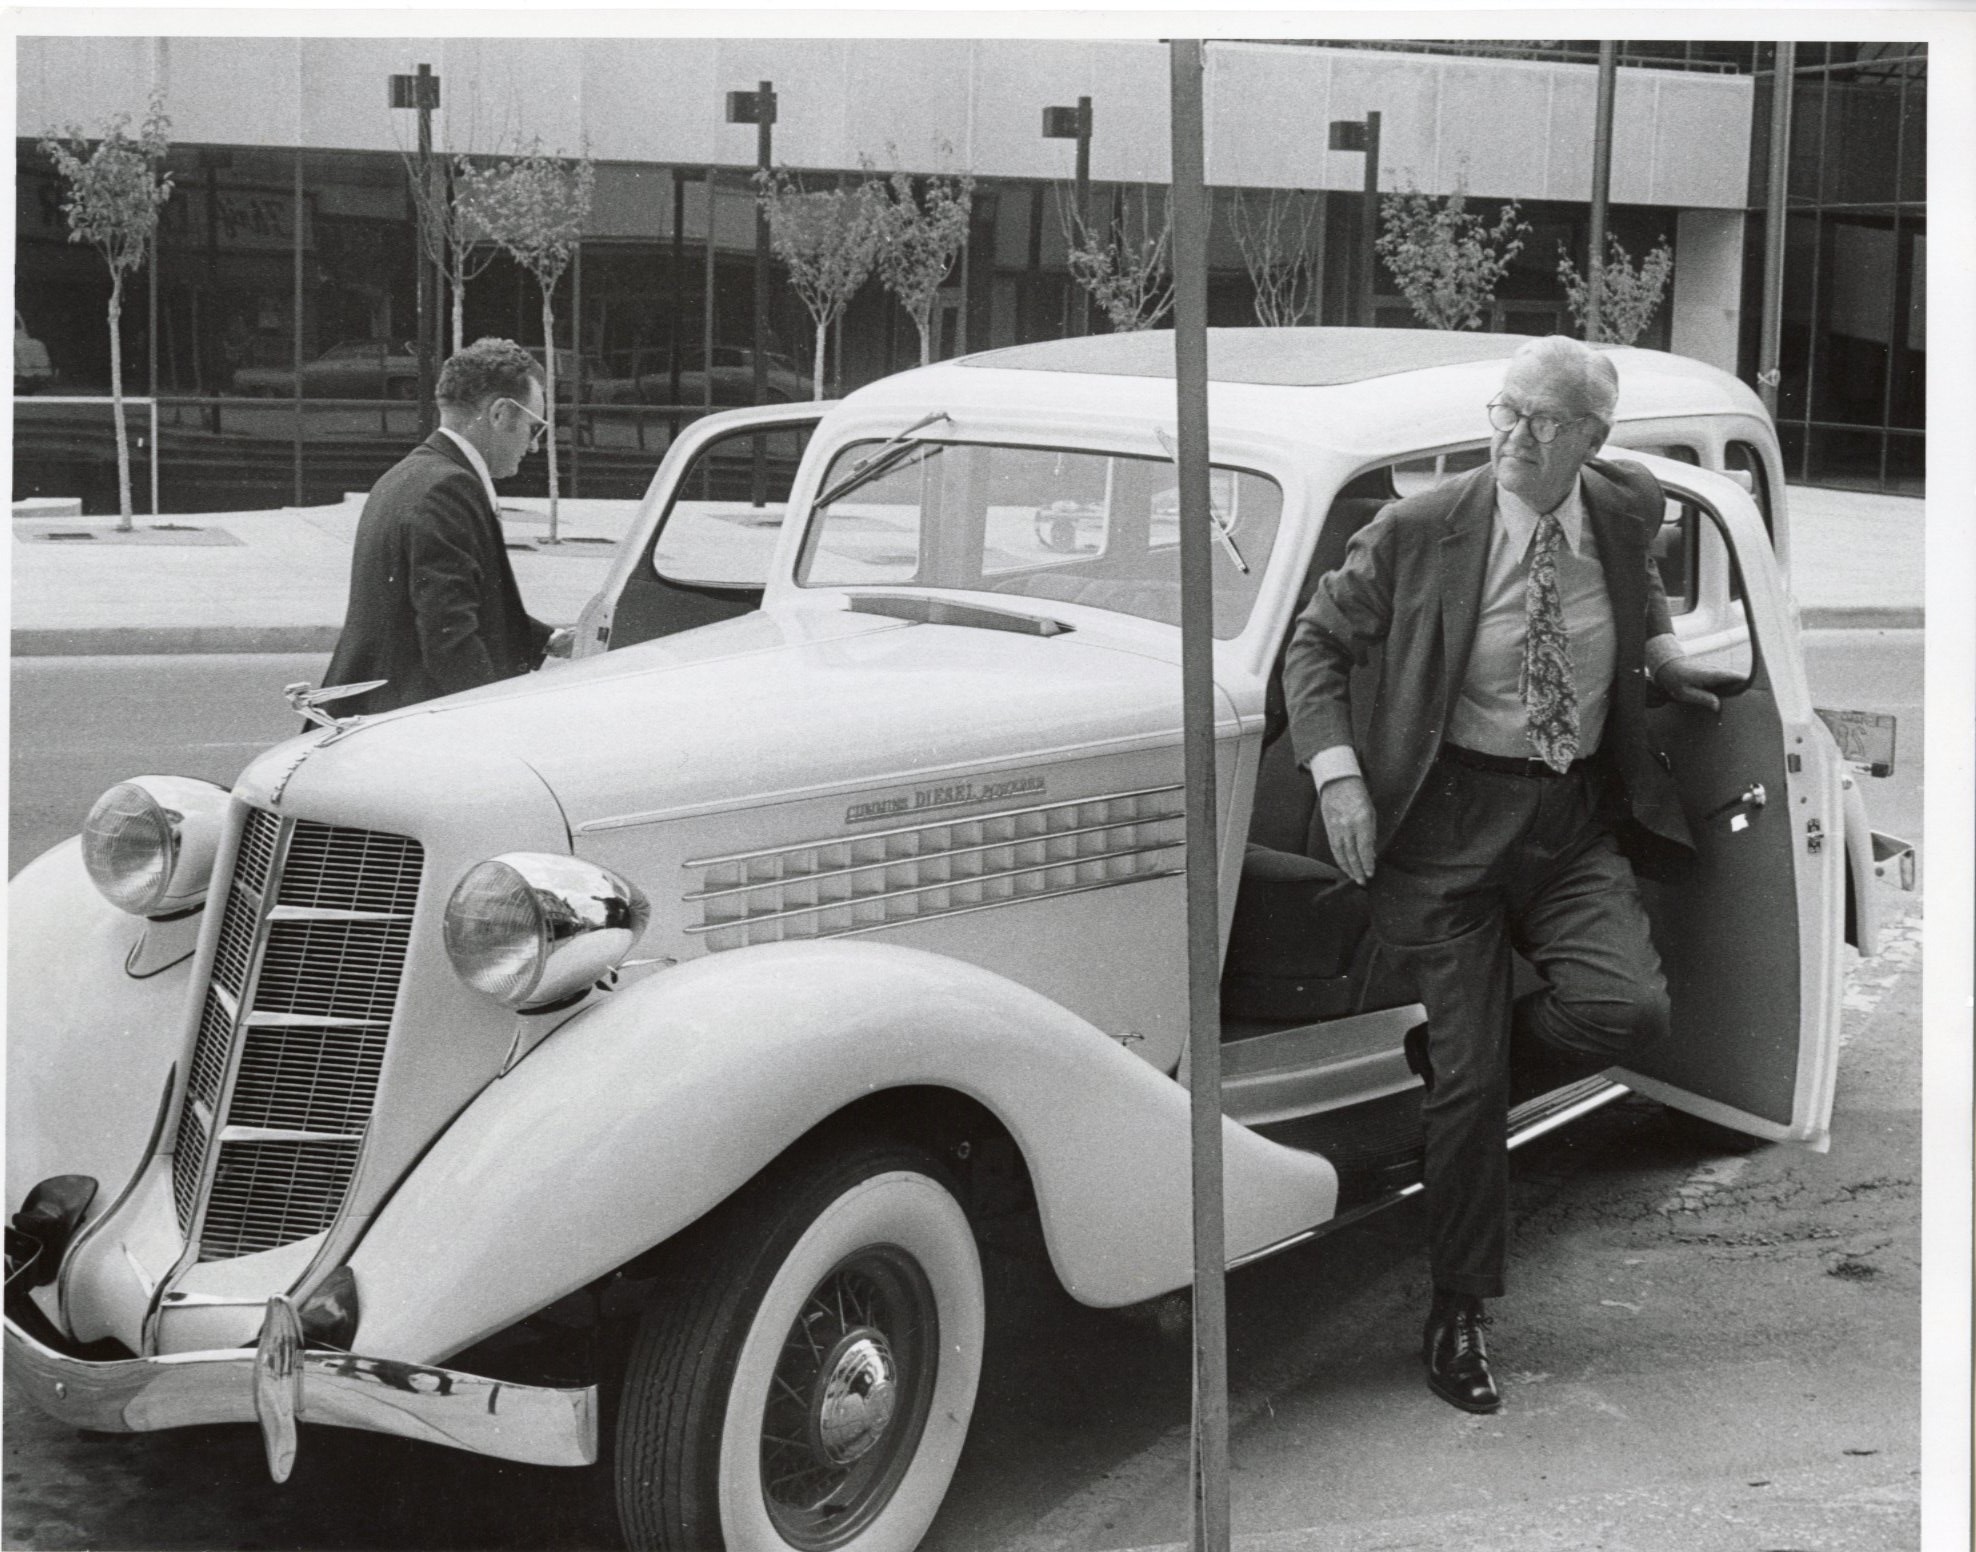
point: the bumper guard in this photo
(280, 1382)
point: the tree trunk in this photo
(549, 395)
(924, 323)
(822, 327)
(124, 524)
(459, 309)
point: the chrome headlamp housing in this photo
(531, 929)
(149, 843)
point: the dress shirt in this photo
(1489, 714)
(479, 467)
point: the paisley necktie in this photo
(1549, 692)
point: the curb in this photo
(1862, 617)
(172, 640)
(190, 640)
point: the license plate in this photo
(1865, 738)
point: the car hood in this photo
(785, 704)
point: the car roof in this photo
(1359, 394)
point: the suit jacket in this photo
(433, 603)
(1411, 584)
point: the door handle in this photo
(1740, 807)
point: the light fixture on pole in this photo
(421, 91)
(1075, 124)
(1363, 135)
(1601, 185)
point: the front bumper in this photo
(281, 1382)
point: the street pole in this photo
(1776, 196)
(1369, 227)
(1209, 1455)
(1601, 184)
(295, 351)
(1075, 124)
(757, 108)
(428, 99)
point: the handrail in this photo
(105, 398)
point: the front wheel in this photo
(805, 1383)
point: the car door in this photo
(1751, 939)
(700, 547)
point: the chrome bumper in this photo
(281, 1382)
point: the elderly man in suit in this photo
(1505, 759)
(433, 603)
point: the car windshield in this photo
(1100, 529)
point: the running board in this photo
(1530, 1120)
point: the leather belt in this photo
(1505, 765)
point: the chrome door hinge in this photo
(1814, 836)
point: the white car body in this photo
(914, 856)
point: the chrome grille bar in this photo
(291, 1041)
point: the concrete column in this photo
(1708, 286)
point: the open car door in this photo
(1751, 940)
(700, 547)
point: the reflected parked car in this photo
(356, 369)
(32, 368)
(733, 377)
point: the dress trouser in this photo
(1486, 863)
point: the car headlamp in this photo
(149, 843)
(531, 929)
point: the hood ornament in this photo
(308, 703)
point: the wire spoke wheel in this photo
(849, 1397)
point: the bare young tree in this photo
(828, 241)
(921, 233)
(1281, 238)
(1123, 261)
(534, 205)
(451, 229)
(116, 187)
(1446, 259)
(1629, 294)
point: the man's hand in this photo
(1349, 824)
(561, 639)
(1692, 683)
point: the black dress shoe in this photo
(1457, 1360)
(1415, 1047)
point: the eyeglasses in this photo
(1544, 428)
(541, 425)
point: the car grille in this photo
(860, 883)
(291, 1040)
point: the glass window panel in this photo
(1853, 330)
(1095, 529)
(1914, 141)
(1862, 138)
(715, 534)
(1905, 463)
(1848, 459)
(1795, 337)
(1807, 133)
(1674, 553)
(1909, 403)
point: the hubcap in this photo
(849, 1398)
(854, 1403)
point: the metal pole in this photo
(1776, 196)
(1080, 312)
(707, 329)
(764, 160)
(1601, 183)
(1369, 224)
(575, 374)
(675, 321)
(295, 330)
(151, 346)
(425, 287)
(1190, 371)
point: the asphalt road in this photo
(1708, 1345)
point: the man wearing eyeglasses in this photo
(1499, 766)
(433, 603)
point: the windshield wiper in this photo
(886, 455)
(1221, 531)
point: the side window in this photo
(1680, 452)
(1413, 475)
(1676, 552)
(1744, 462)
(727, 509)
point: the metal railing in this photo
(128, 399)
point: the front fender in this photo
(635, 1119)
(90, 1046)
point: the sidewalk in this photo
(276, 581)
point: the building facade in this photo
(276, 328)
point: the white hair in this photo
(1577, 368)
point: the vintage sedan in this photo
(645, 1042)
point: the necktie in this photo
(1550, 694)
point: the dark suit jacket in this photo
(1411, 584)
(433, 602)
